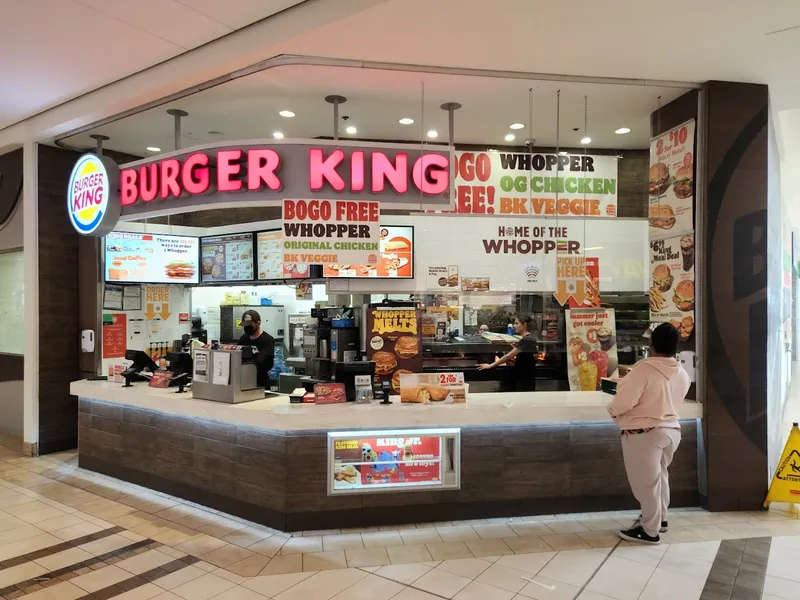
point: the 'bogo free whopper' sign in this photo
(337, 232)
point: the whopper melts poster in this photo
(671, 185)
(672, 283)
(393, 342)
(591, 347)
(535, 184)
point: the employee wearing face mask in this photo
(253, 336)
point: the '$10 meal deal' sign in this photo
(331, 232)
(499, 183)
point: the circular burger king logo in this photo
(91, 196)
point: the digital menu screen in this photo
(396, 260)
(151, 258)
(270, 259)
(227, 258)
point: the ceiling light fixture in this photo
(406, 121)
(622, 130)
(586, 140)
(153, 149)
(351, 130)
(564, 153)
(510, 137)
(286, 114)
(277, 135)
(433, 134)
(516, 126)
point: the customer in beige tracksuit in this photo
(644, 408)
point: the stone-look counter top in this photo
(276, 413)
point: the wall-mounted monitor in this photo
(227, 258)
(270, 265)
(151, 258)
(396, 261)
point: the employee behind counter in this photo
(264, 342)
(523, 355)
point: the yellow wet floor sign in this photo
(785, 486)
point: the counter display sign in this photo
(115, 335)
(672, 283)
(537, 184)
(381, 461)
(227, 258)
(671, 185)
(591, 347)
(396, 257)
(394, 343)
(151, 258)
(433, 388)
(331, 232)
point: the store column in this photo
(30, 212)
(732, 227)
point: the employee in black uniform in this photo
(253, 336)
(523, 372)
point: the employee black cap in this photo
(251, 315)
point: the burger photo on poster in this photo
(683, 187)
(662, 216)
(659, 179)
(684, 295)
(662, 278)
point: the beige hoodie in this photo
(650, 395)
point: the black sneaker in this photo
(637, 535)
(663, 529)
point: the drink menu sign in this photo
(535, 184)
(374, 463)
(591, 347)
(671, 184)
(151, 258)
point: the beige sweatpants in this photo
(647, 458)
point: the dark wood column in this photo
(733, 231)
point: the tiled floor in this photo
(67, 534)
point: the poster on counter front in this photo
(387, 462)
(394, 342)
(591, 347)
(322, 232)
(536, 184)
(671, 183)
(672, 283)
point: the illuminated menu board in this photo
(227, 258)
(151, 258)
(269, 252)
(397, 257)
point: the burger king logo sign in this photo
(93, 195)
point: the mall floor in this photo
(66, 533)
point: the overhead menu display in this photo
(151, 258)
(671, 185)
(270, 255)
(396, 257)
(227, 258)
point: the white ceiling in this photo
(54, 50)
(377, 99)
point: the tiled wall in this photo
(280, 478)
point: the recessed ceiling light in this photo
(510, 137)
(564, 153)
(516, 126)
(433, 133)
(286, 113)
(351, 130)
(586, 140)
(277, 135)
(406, 121)
(153, 149)
(622, 130)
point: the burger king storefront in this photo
(394, 279)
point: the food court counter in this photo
(268, 460)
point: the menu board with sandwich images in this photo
(386, 462)
(671, 185)
(396, 260)
(672, 283)
(591, 347)
(151, 258)
(394, 343)
(227, 258)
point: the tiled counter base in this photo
(279, 478)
